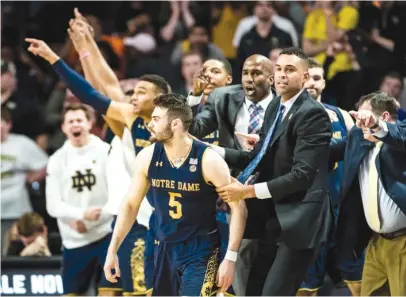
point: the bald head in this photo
(257, 77)
(262, 61)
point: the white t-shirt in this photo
(120, 168)
(76, 180)
(19, 154)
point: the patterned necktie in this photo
(254, 163)
(372, 204)
(255, 119)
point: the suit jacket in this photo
(220, 113)
(353, 232)
(295, 168)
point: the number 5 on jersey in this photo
(176, 213)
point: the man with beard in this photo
(232, 110)
(182, 175)
(341, 124)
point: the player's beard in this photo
(164, 136)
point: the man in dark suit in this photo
(373, 206)
(292, 160)
(239, 108)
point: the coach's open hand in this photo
(236, 191)
(225, 275)
(40, 48)
(110, 264)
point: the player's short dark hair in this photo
(295, 51)
(75, 107)
(394, 74)
(177, 108)
(381, 102)
(30, 223)
(226, 64)
(6, 114)
(158, 81)
(314, 64)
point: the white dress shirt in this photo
(391, 216)
(243, 115)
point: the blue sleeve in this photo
(81, 88)
(396, 136)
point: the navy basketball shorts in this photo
(135, 271)
(80, 265)
(187, 268)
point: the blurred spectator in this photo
(324, 26)
(191, 63)
(384, 22)
(265, 36)
(392, 84)
(274, 54)
(33, 233)
(225, 19)
(261, 8)
(21, 161)
(345, 87)
(198, 41)
(24, 111)
(175, 26)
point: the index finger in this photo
(242, 134)
(32, 40)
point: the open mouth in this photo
(250, 90)
(76, 134)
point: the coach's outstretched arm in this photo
(129, 211)
(119, 111)
(216, 172)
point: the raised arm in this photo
(206, 121)
(118, 111)
(129, 211)
(216, 171)
(97, 71)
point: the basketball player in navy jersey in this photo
(182, 175)
(341, 123)
(118, 114)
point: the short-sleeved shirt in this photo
(315, 30)
(19, 154)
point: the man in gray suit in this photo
(239, 108)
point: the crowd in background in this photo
(361, 46)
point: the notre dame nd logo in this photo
(79, 181)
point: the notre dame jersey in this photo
(339, 132)
(140, 135)
(185, 205)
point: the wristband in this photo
(84, 55)
(231, 256)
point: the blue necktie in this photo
(242, 178)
